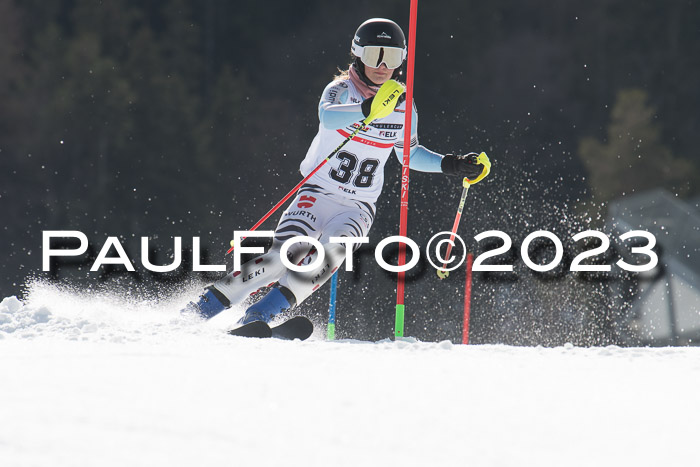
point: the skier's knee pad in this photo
(303, 284)
(296, 252)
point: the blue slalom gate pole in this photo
(330, 333)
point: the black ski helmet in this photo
(378, 32)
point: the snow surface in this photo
(101, 380)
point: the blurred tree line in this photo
(185, 118)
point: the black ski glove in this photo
(462, 166)
(367, 106)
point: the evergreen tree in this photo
(633, 157)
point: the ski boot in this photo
(211, 303)
(277, 300)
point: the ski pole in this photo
(443, 273)
(296, 188)
(386, 99)
(466, 183)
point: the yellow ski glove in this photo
(473, 167)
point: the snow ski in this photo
(298, 327)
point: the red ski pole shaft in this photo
(443, 273)
(455, 226)
(296, 188)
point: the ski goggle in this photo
(373, 56)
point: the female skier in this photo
(338, 201)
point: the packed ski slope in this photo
(105, 381)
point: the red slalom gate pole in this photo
(399, 322)
(467, 299)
